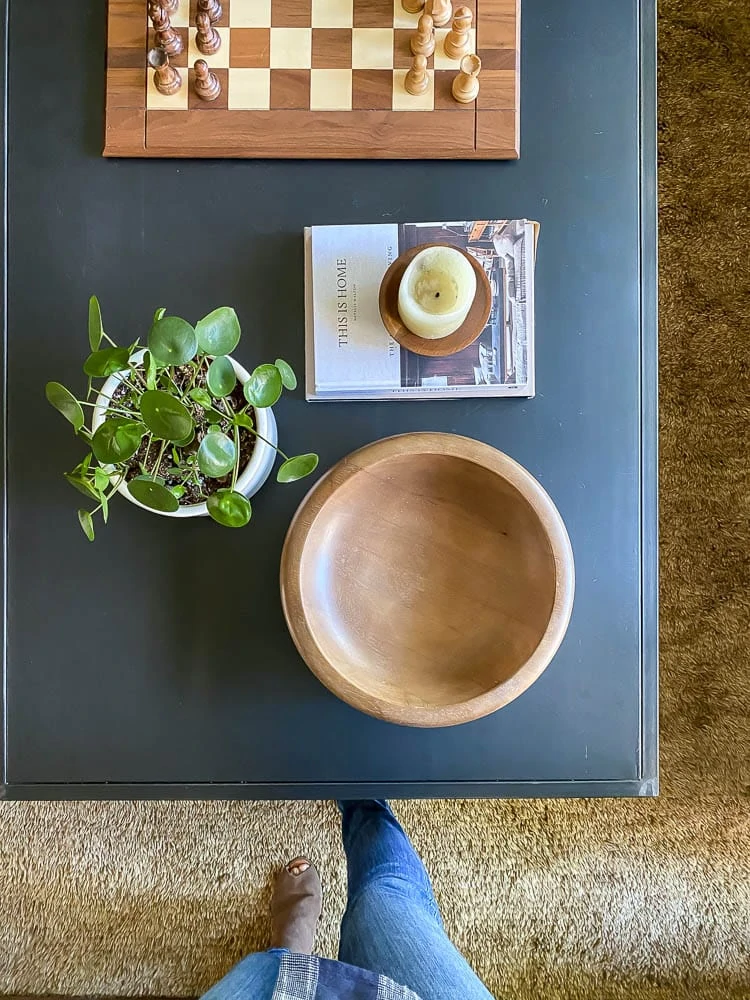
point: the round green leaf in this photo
(288, 378)
(96, 330)
(152, 494)
(216, 455)
(219, 332)
(221, 378)
(296, 468)
(117, 440)
(214, 417)
(102, 364)
(87, 523)
(229, 508)
(264, 386)
(172, 341)
(165, 416)
(202, 398)
(177, 491)
(82, 485)
(66, 403)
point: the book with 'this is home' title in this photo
(349, 353)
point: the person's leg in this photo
(255, 976)
(392, 924)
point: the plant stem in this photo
(274, 446)
(236, 469)
(106, 337)
(158, 461)
(110, 409)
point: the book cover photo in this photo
(349, 353)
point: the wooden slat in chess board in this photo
(313, 78)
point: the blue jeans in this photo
(392, 925)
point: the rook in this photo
(166, 78)
(466, 83)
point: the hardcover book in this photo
(350, 355)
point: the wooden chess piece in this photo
(165, 35)
(417, 80)
(207, 39)
(207, 85)
(167, 80)
(441, 11)
(466, 83)
(170, 6)
(423, 41)
(212, 8)
(412, 6)
(457, 42)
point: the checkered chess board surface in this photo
(325, 58)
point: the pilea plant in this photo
(179, 426)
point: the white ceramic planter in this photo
(250, 479)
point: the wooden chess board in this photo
(313, 78)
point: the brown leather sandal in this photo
(295, 907)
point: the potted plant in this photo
(178, 426)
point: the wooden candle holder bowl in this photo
(466, 334)
(427, 579)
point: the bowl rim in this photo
(468, 449)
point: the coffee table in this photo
(156, 662)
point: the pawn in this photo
(441, 11)
(412, 6)
(417, 80)
(212, 8)
(166, 78)
(457, 42)
(207, 85)
(165, 36)
(207, 39)
(423, 42)
(466, 83)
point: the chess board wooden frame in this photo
(141, 123)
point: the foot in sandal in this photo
(295, 907)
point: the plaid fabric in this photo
(305, 977)
(298, 978)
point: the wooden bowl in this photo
(427, 579)
(466, 334)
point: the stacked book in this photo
(349, 353)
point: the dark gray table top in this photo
(156, 662)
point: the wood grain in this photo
(466, 334)
(371, 130)
(427, 579)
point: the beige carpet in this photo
(633, 899)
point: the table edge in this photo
(647, 783)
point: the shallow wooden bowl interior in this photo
(466, 334)
(427, 579)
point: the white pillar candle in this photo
(436, 292)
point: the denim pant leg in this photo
(392, 924)
(254, 978)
